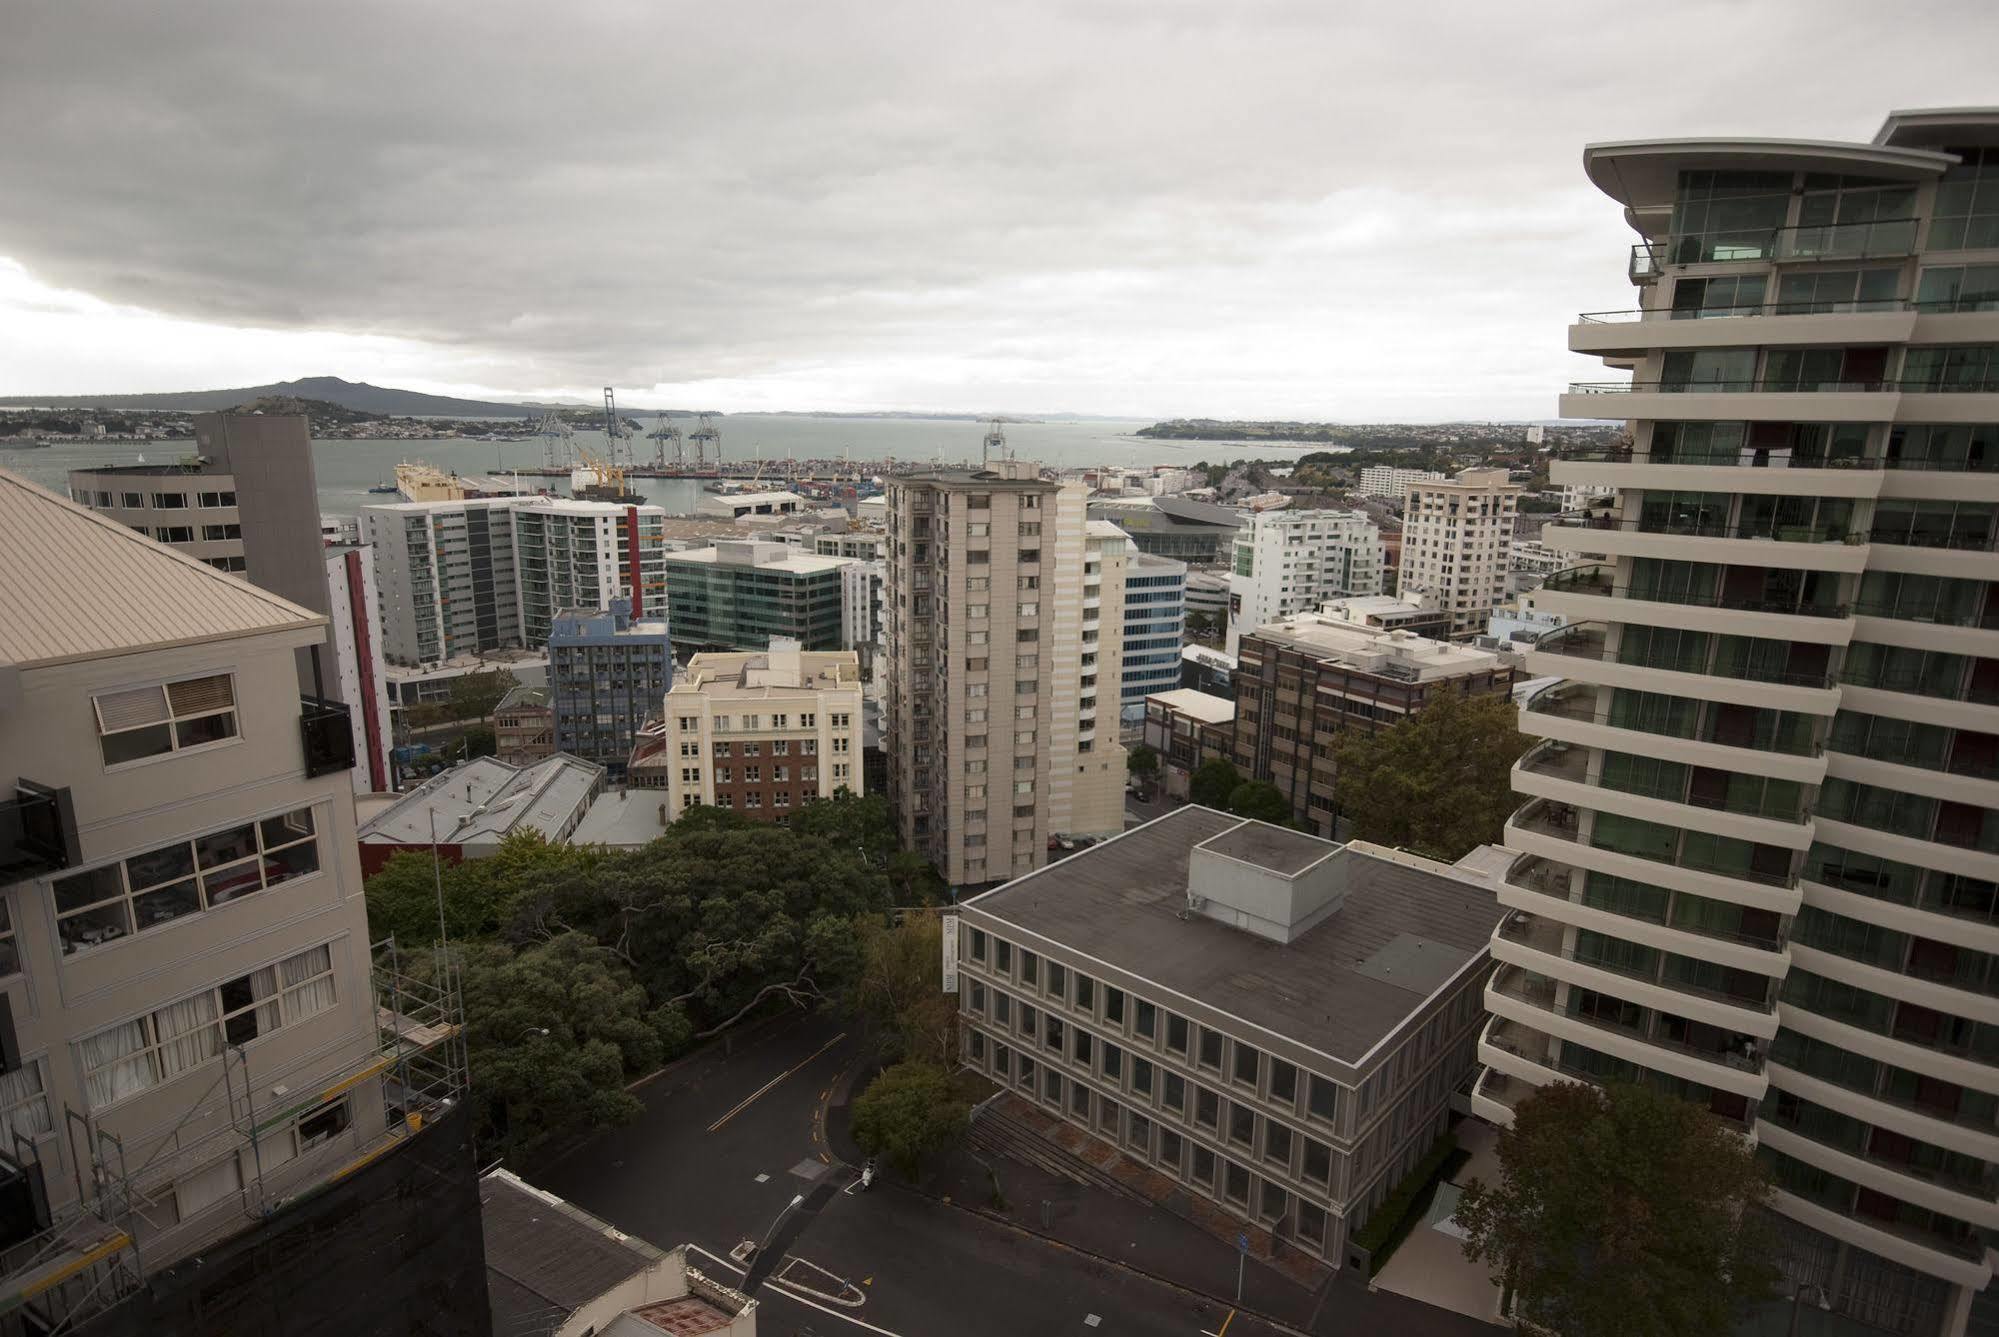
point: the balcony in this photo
(1588, 641)
(37, 832)
(1763, 531)
(1875, 306)
(328, 735)
(1882, 238)
(1747, 611)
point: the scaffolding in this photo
(98, 1250)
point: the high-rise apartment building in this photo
(1758, 861)
(583, 554)
(761, 733)
(1155, 617)
(1455, 540)
(741, 593)
(978, 646)
(606, 675)
(188, 1023)
(1293, 561)
(1385, 480)
(245, 502)
(464, 578)
(445, 578)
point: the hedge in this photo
(1400, 1205)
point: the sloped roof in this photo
(486, 799)
(545, 1259)
(80, 586)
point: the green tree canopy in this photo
(899, 989)
(1623, 1212)
(1142, 761)
(907, 1113)
(1261, 800)
(528, 1087)
(1440, 782)
(1212, 783)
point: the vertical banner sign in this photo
(950, 953)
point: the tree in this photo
(900, 990)
(1213, 782)
(1439, 783)
(480, 741)
(1142, 761)
(907, 1113)
(474, 695)
(529, 1087)
(1623, 1212)
(1261, 800)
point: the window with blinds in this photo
(141, 722)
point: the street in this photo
(710, 1164)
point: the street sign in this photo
(950, 923)
(1242, 1243)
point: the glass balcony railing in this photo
(1740, 310)
(1875, 239)
(1756, 387)
(328, 735)
(1782, 533)
(37, 832)
(1597, 581)
(1588, 640)
(1747, 457)
(1578, 702)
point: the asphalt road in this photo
(709, 1164)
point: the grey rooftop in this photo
(1405, 927)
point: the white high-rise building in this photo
(1758, 860)
(1455, 540)
(462, 578)
(1385, 480)
(1293, 561)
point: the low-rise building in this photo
(1196, 532)
(469, 810)
(524, 726)
(1188, 728)
(742, 505)
(1390, 614)
(1273, 1021)
(1303, 682)
(762, 734)
(739, 594)
(1208, 670)
(554, 1270)
(606, 674)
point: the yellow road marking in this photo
(758, 1094)
(1224, 1330)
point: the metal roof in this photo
(485, 799)
(545, 1259)
(81, 586)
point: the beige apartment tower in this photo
(1004, 633)
(1455, 540)
(1758, 857)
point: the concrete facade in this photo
(1456, 537)
(1287, 562)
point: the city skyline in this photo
(1101, 210)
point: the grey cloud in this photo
(1167, 206)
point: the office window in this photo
(1204, 1166)
(1276, 1143)
(1003, 1008)
(161, 885)
(1283, 1082)
(1210, 1056)
(1207, 1108)
(1235, 1183)
(1246, 1064)
(137, 1055)
(1318, 1161)
(1242, 1123)
(1176, 1034)
(1086, 993)
(1113, 1063)
(1141, 1076)
(1325, 1099)
(978, 944)
(1057, 978)
(165, 717)
(1114, 1006)
(1030, 967)
(1174, 1092)
(1147, 1019)
(1003, 956)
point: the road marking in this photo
(793, 1295)
(758, 1094)
(1091, 1320)
(763, 1179)
(1224, 1330)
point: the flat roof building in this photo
(1456, 537)
(740, 593)
(1274, 1021)
(744, 505)
(606, 674)
(1196, 532)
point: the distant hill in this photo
(318, 412)
(370, 400)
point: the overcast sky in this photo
(1146, 208)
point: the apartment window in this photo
(753, 799)
(690, 723)
(1028, 1020)
(690, 775)
(324, 1124)
(24, 1101)
(137, 1055)
(808, 721)
(161, 885)
(209, 500)
(221, 533)
(170, 501)
(1079, 1100)
(1172, 1150)
(149, 721)
(1235, 1183)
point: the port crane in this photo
(706, 437)
(555, 434)
(617, 447)
(995, 444)
(667, 431)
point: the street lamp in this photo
(1824, 1303)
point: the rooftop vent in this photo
(1267, 880)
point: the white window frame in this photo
(169, 717)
